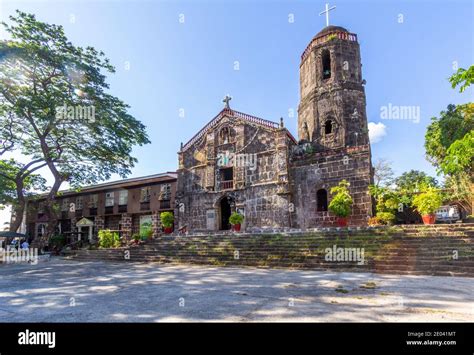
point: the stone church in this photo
(239, 162)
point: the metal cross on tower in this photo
(327, 13)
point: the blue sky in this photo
(164, 65)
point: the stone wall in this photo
(156, 224)
(260, 176)
(324, 170)
(126, 226)
(99, 224)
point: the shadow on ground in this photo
(71, 291)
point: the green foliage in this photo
(414, 181)
(462, 77)
(449, 143)
(236, 218)
(167, 219)
(452, 125)
(55, 74)
(43, 79)
(57, 241)
(11, 171)
(341, 201)
(459, 156)
(108, 239)
(410, 183)
(146, 230)
(386, 218)
(309, 149)
(428, 201)
(387, 199)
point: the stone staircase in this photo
(445, 250)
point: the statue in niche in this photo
(224, 135)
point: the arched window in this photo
(321, 200)
(328, 127)
(326, 61)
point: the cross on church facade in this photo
(226, 100)
(327, 13)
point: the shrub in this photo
(386, 218)
(108, 239)
(342, 201)
(167, 219)
(236, 218)
(374, 221)
(428, 201)
(386, 199)
(57, 241)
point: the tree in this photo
(462, 77)
(452, 125)
(449, 143)
(383, 173)
(412, 182)
(69, 123)
(16, 183)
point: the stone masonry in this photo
(243, 163)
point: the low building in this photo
(124, 206)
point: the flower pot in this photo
(168, 230)
(429, 219)
(341, 221)
(236, 227)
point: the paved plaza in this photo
(71, 291)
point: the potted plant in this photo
(426, 203)
(341, 203)
(167, 220)
(135, 238)
(236, 220)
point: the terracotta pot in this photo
(341, 221)
(168, 230)
(236, 227)
(429, 219)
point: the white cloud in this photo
(377, 131)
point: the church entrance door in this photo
(225, 214)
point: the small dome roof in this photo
(331, 29)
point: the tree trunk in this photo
(19, 209)
(50, 214)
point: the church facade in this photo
(239, 162)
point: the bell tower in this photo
(332, 113)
